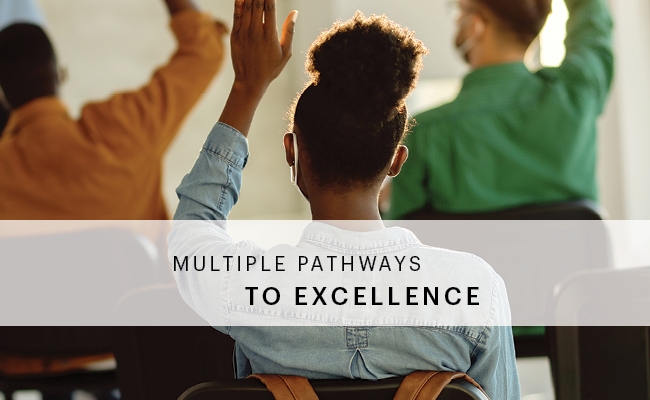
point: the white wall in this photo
(631, 105)
(114, 45)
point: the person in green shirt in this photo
(512, 137)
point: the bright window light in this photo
(552, 49)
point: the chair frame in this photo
(326, 389)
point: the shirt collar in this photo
(338, 239)
(27, 113)
(495, 74)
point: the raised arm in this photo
(148, 119)
(212, 188)
(589, 47)
(258, 57)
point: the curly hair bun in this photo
(370, 64)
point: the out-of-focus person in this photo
(11, 12)
(107, 164)
(512, 137)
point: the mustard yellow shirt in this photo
(107, 164)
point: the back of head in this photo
(4, 118)
(352, 116)
(27, 64)
(525, 18)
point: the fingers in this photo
(247, 14)
(237, 18)
(270, 23)
(286, 42)
(258, 15)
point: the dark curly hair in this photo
(352, 115)
(524, 17)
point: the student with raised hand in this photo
(108, 163)
(347, 127)
(512, 137)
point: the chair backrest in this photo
(155, 305)
(603, 297)
(157, 361)
(594, 362)
(56, 277)
(59, 279)
(563, 211)
(252, 389)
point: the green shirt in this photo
(513, 137)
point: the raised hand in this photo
(258, 57)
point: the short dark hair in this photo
(524, 17)
(352, 115)
(4, 118)
(27, 63)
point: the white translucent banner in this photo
(288, 273)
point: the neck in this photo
(497, 55)
(350, 205)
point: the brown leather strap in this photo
(427, 385)
(286, 387)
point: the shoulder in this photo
(435, 115)
(430, 125)
(461, 269)
(460, 261)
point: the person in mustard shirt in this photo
(512, 137)
(107, 164)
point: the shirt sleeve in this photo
(151, 116)
(213, 185)
(589, 50)
(494, 363)
(495, 366)
(207, 194)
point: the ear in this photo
(401, 155)
(288, 148)
(479, 27)
(62, 74)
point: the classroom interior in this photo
(109, 46)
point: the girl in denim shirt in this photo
(347, 129)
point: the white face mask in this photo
(464, 48)
(294, 168)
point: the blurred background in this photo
(109, 46)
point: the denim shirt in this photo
(208, 193)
